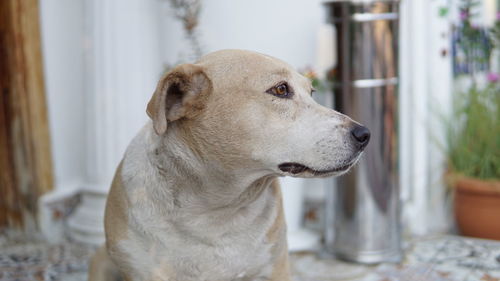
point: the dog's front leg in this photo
(102, 268)
(281, 269)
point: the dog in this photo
(196, 196)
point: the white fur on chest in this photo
(235, 251)
(182, 241)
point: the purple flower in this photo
(464, 14)
(498, 16)
(493, 77)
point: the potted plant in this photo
(474, 162)
(473, 137)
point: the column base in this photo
(75, 213)
(86, 225)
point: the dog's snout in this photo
(361, 135)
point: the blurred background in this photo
(76, 76)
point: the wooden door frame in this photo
(25, 154)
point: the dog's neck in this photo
(200, 184)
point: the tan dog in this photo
(196, 196)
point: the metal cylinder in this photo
(363, 211)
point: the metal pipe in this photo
(363, 212)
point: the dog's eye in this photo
(281, 90)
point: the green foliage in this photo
(474, 133)
(495, 32)
(444, 11)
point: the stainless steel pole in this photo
(363, 212)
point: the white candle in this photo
(489, 11)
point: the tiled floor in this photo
(27, 259)
(440, 258)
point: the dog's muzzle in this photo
(296, 168)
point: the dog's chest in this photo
(238, 259)
(234, 257)
(203, 248)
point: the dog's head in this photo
(247, 111)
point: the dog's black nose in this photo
(361, 134)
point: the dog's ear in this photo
(178, 95)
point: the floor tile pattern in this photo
(439, 258)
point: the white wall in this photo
(285, 29)
(62, 30)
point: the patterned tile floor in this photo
(25, 258)
(439, 258)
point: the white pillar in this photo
(426, 80)
(123, 64)
(299, 238)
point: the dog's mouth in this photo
(296, 168)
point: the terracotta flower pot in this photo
(477, 207)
